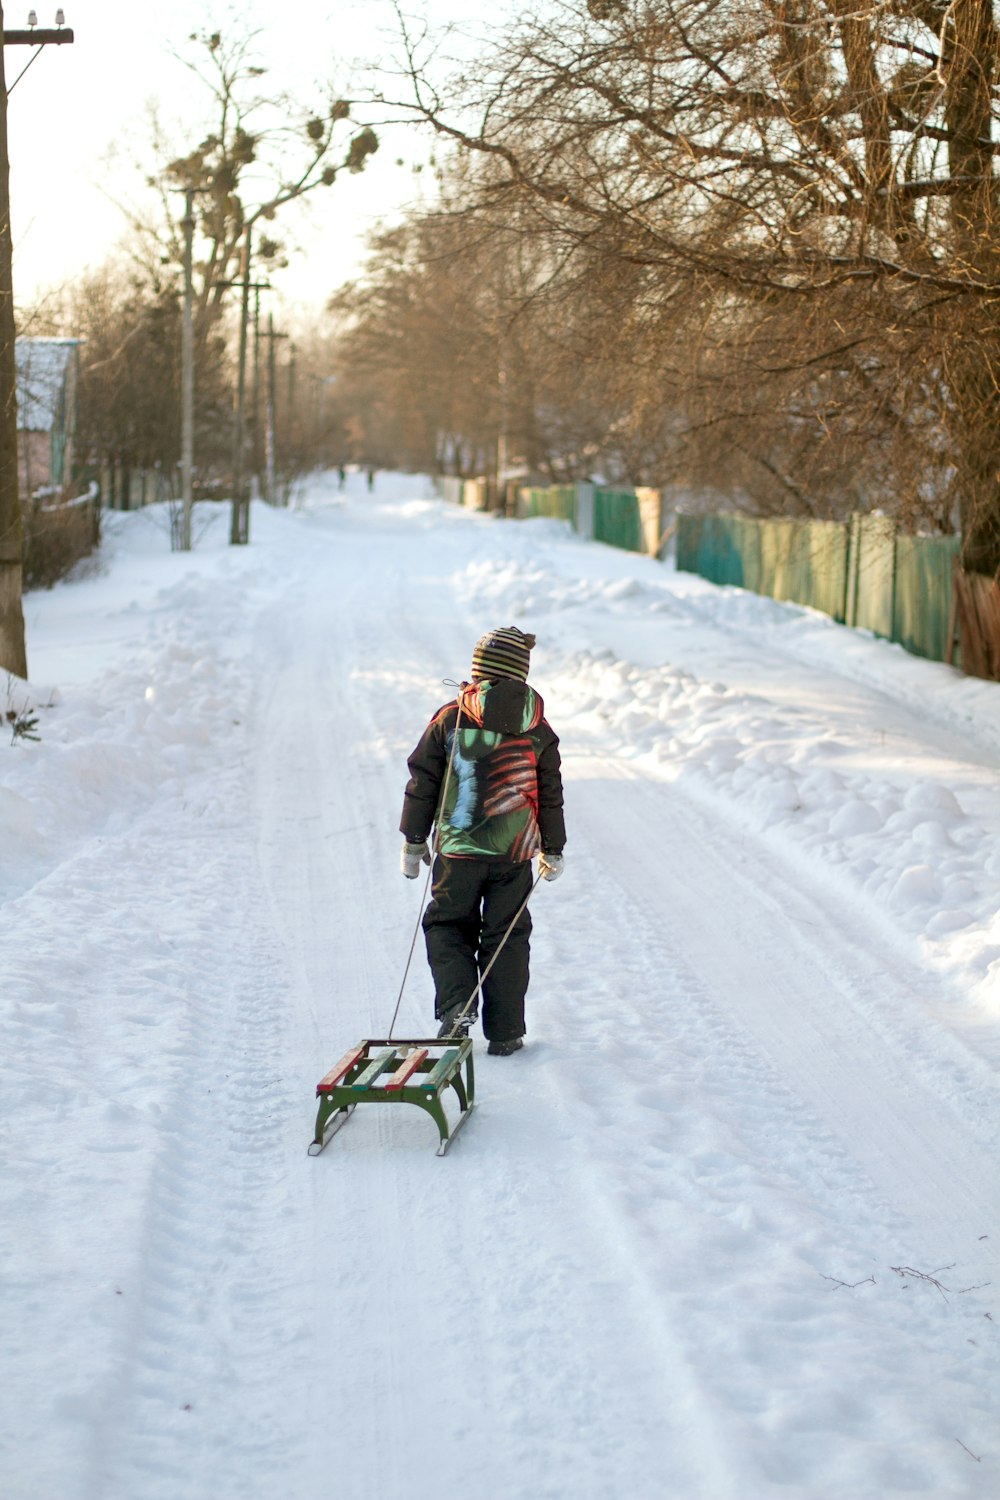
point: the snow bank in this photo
(914, 833)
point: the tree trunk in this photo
(12, 650)
(977, 453)
(969, 66)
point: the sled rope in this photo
(477, 992)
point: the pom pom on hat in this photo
(502, 653)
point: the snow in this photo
(726, 1229)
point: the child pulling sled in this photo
(487, 771)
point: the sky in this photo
(79, 116)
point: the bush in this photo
(56, 537)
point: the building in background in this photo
(47, 371)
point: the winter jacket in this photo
(504, 797)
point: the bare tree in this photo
(815, 181)
(263, 150)
(467, 352)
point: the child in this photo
(487, 771)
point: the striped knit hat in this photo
(502, 653)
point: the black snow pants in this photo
(472, 904)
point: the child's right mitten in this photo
(411, 856)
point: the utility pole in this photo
(13, 655)
(291, 431)
(187, 378)
(239, 528)
(255, 420)
(270, 439)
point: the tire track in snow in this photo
(316, 807)
(192, 1413)
(780, 967)
(773, 1124)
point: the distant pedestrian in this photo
(341, 476)
(487, 772)
(370, 476)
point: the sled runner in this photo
(385, 1071)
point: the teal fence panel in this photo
(617, 520)
(925, 573)
(557, 502)
(687, 533)
(716, 547)
(731, 540)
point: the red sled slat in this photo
(340, 1070)
(406, 1069)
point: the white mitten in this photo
(550, 866)
(411, 856)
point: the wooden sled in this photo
(382, 1071)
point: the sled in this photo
(383, 1071)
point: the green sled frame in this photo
(383, 1071)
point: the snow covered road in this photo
(726, 1230)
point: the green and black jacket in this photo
(504, 797)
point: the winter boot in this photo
(504, 1049)
(451, 1026)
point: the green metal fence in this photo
(922, 606)
(617, 520)
(558, 502)
(863, 572)
(603, 515)
(716, 548)
(804, 562)
(801, 562)
(872, 569)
